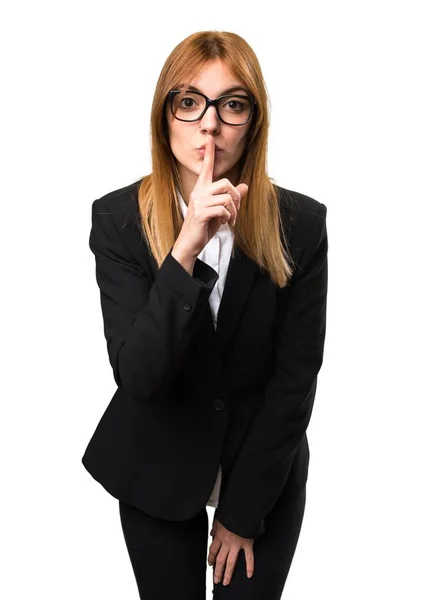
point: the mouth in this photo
(216, 148)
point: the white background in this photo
(78, 80)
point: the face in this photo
(185, 138)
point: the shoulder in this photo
(299, 206)
(115, 225)
(118, 203)
(302, 216)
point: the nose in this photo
(210, 122)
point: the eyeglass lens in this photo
(234, 110)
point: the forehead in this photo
(216, 78)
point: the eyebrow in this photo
(227, 91)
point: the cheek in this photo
(178, 137)
(175, 143)
(240, 139)
(239, 145)
(172, 129)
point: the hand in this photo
(225, 548)
(211, 204)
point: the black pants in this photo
(169, 558)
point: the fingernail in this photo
(216, 579)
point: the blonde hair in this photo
(259, 231)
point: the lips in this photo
(203, 147)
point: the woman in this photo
(213, 286)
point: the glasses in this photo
(232, 109)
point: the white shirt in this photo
(216, 254)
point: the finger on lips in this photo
(206, 172)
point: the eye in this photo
(190, 102)
(234, 105)
(237, 103)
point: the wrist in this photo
(184, 258)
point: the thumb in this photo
(213, 530)
(243, 188)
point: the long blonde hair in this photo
(259, 231)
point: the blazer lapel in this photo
(241, 276)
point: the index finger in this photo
(248, 551)
(230, 563)
(206, 172)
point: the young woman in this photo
(213, 287)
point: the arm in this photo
(262, 465)
(148, 327)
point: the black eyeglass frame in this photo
(214, 103)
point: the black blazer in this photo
(189, 396)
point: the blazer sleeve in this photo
(264, 460)
(148, 326)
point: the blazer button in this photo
(187, 306)
(218, 404)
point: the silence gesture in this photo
(211, 204)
